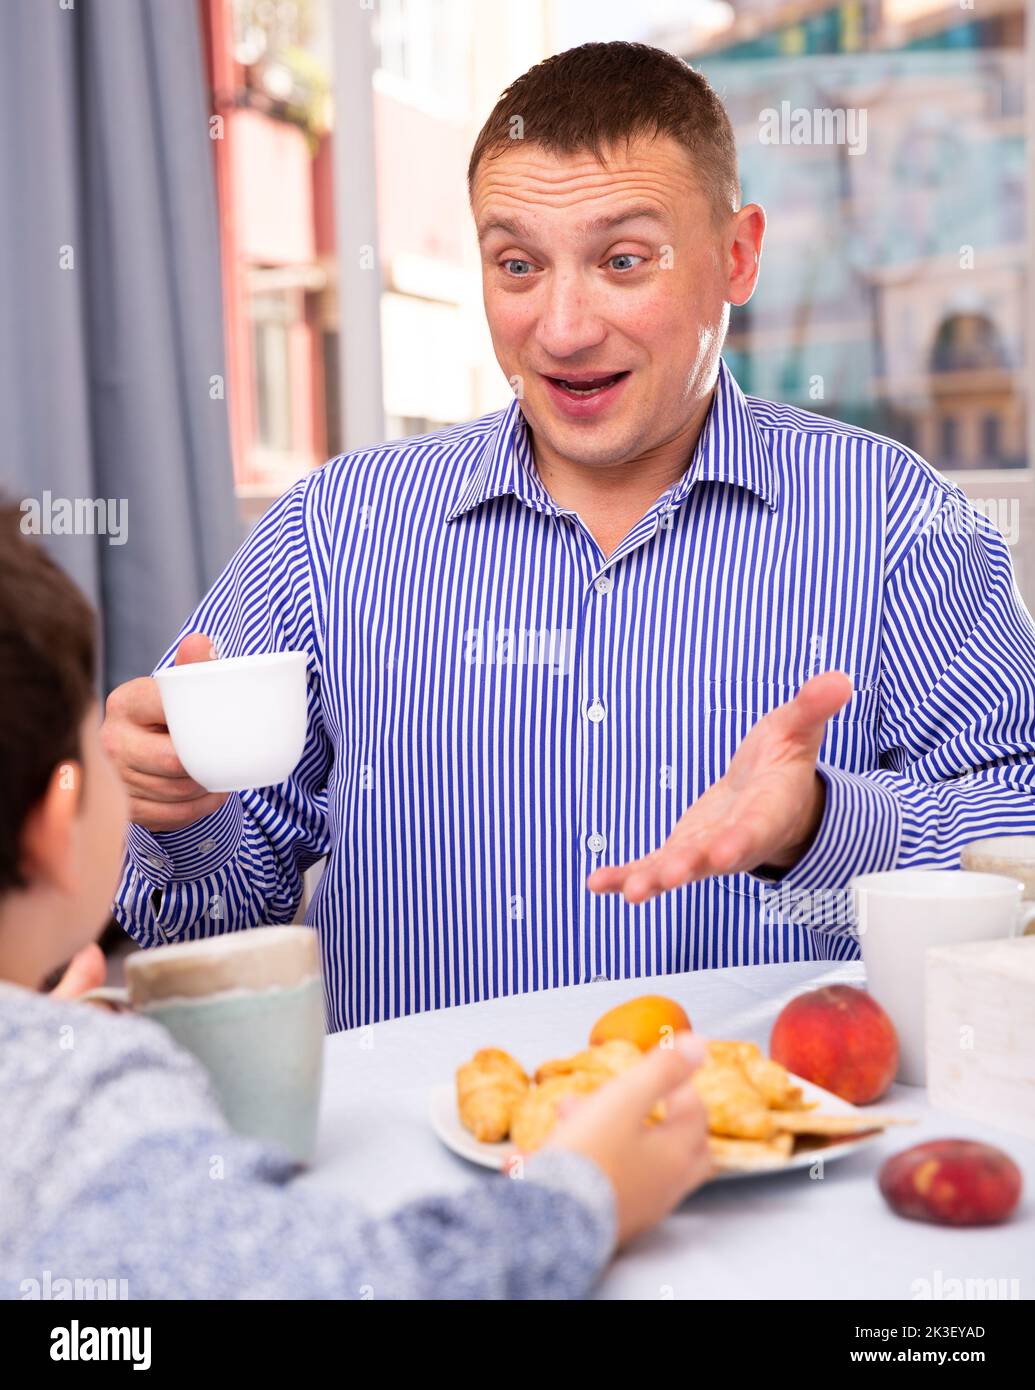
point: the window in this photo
(886, 141)
(410, 426)
(271, 316)
(335, 442)
(949, 439)
(423, 47)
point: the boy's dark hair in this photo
(47, 654)
(591, 97)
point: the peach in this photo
(839, 1038)
(956, 1182)
(645, 1021)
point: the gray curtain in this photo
(110, 325)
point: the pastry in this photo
(536, 1113)
(487, 1089)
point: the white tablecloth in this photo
(782, 1236)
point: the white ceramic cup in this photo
(249, 1005)
(901, 913)
(237, 723)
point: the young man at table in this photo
(570, 634)
(110, 1128)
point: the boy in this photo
(109, 1127)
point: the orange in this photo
(644, 1021)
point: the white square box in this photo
(980, 1031)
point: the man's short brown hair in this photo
(47, 655)
(590, 98)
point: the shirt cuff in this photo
(175, 856)
(859, 833)
(561, 1170)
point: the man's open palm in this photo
(764, 810)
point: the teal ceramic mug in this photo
(249, 1005)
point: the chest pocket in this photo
(852, 739)
(748, 696)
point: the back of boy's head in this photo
(46, 680)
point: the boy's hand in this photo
(135, 737)
(85, 971)
(651, 1167)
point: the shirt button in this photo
(595, 843)
(604, 584)
(207, 846)
(155, 862)
(595, 713)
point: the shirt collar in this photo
(730, 449)
(504, 465)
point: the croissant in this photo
(768, 1078)
(602, 1059)
(487, 1089)
(536, 1112)
(734, 1107)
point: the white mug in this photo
(901, 913)
(237, 723)
(249, 1005)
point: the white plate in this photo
(445, 1121)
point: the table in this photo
(782, 1236)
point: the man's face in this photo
(572, 291)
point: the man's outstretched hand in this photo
(764, 810)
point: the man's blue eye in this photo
(514, 261)
(626, 256)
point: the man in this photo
(561, 721)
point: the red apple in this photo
(839, 1038)
(956, 1182)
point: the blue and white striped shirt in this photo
(495, 709)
